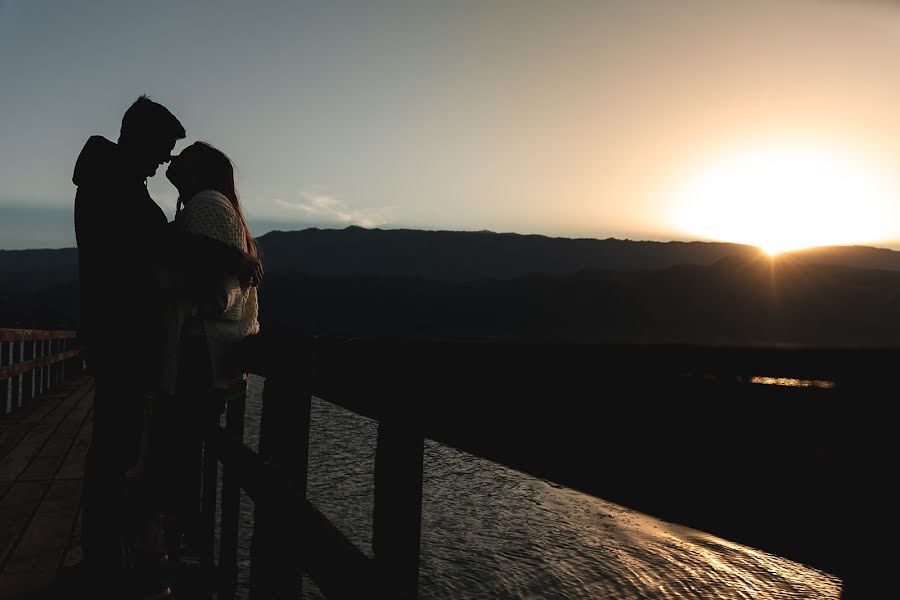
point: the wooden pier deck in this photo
(43, 446)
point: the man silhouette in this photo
(124, 245)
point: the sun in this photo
(785, 197)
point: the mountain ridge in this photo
(456, 255)
(478, 285)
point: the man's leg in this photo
(186, 442)
(168, 483)
(113, 450)
(114, 511)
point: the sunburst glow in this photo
(786, 197)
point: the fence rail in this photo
(31, 362)
(27, 335)
(684, 433)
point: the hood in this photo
(98, 161)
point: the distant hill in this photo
(25, 271)
(452, 255)
(735, 301)
(470, 256)
(355, 281)
(864, 257)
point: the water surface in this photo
(492, 532)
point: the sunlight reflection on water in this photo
(788, 381)
(491, 532)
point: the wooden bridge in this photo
(801, 467)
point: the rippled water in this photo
(492, 532)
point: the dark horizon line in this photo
(336, 227)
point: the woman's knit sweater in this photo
(210, 213)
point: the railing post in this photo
(28, 378)
(226, 573)
(397, 515)
(18, 347)
(231, 505)
(48, 352)
(15, 355)
(62, 364)
(60, 347)
(39, 372)
(54, 367)
(5, 351)
(51, 368)
(275, 552)
(208, 482)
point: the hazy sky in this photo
(641, 119)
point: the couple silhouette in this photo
(163, 305)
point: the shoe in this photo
(183, 545)
(155, 587)
(147, 574)
(150, 579)
(149, 545)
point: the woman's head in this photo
(201, 167)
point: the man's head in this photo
(148, 134)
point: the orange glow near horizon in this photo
(783, 197)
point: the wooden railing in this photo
(31, 362)
(689, 434)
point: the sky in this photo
(771, 122)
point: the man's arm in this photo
(199, 257)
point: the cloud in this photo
(320, 206)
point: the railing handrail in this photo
(805, 362)
(10, 368)
(32, 361)
(27, 335)
(8, 371)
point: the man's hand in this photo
(251, 272)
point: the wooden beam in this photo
(24, 335)
(8, 371)
(339, 568)
(397, 518)
(276, 562)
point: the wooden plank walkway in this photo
(42, 452)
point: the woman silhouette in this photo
(206, 317)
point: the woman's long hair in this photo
(215, 171)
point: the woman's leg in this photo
(182, 506)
